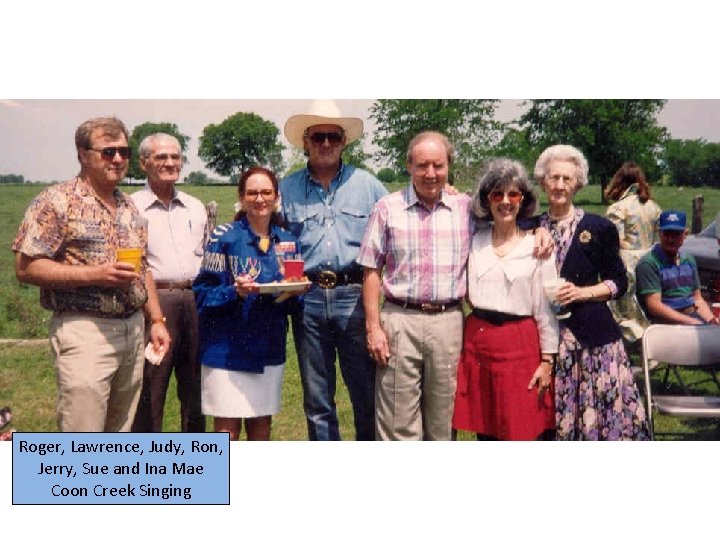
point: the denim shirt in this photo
(330, 224)
(241, 334)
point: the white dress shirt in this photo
(513, 284)
(176, 234)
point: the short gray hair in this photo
(146, 144)
(502, 173)
(435, 135)
(562, 152)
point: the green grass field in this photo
(27, 383)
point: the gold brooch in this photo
(585, 237)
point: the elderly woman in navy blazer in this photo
(596, 397)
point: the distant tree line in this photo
(608, 131)
(12, 179)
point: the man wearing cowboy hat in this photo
(326, 205)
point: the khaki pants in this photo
(415, 393)
(99, 367)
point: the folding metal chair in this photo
(687, 346)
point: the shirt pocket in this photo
(351, 222)
(304, 223)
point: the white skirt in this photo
(239, 394)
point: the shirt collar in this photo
(631, 190)
(337, 178)
(150, 199)
(86, 189)
(411, 198)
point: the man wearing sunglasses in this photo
(177, 224)
(67, 246)
(326, 205)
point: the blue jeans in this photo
(333, 322)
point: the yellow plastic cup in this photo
(129, 255)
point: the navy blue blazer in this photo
(593, 257)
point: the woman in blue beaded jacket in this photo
(243, 333)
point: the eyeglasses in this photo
(108, 153)
(555, 178)
(162, 158)
(498, 196)
(333, 137)
(252, 194)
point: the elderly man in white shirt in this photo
(177, 224)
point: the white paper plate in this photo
(282, 286)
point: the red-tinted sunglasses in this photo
(513, 196)
(108, 153)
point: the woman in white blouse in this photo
(505, 374)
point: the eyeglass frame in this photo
(319, 137)
(264, 194)
(106, 156)
(497, 196)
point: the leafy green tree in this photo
(468, 123)
(386, 175)
(141, 131)
(239, 142)
(515, 144)
(608, 131)
(354, 154)
(197, 178)
(693, 162)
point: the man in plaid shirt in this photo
(421, 237)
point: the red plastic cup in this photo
(294, 268)
(716, 309)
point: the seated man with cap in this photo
(668, 286)
(326, 205)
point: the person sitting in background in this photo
(635, 215)
(667, 280)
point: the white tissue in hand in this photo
(154, 357)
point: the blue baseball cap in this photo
(672, 220)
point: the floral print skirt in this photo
(596, 398)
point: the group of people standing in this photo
(388, 274)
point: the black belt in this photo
(425, 308)
(497, 318)
(170, 285)
(327, 279)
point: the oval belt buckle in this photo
(327, 279)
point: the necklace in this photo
(568, 215)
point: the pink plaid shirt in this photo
(424, 252)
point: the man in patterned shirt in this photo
(421, 237)
(67, 245)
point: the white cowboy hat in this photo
(322, 111)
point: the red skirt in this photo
(495, 369)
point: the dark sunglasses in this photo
(108, 153)
(319, 137)
(513, 196)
